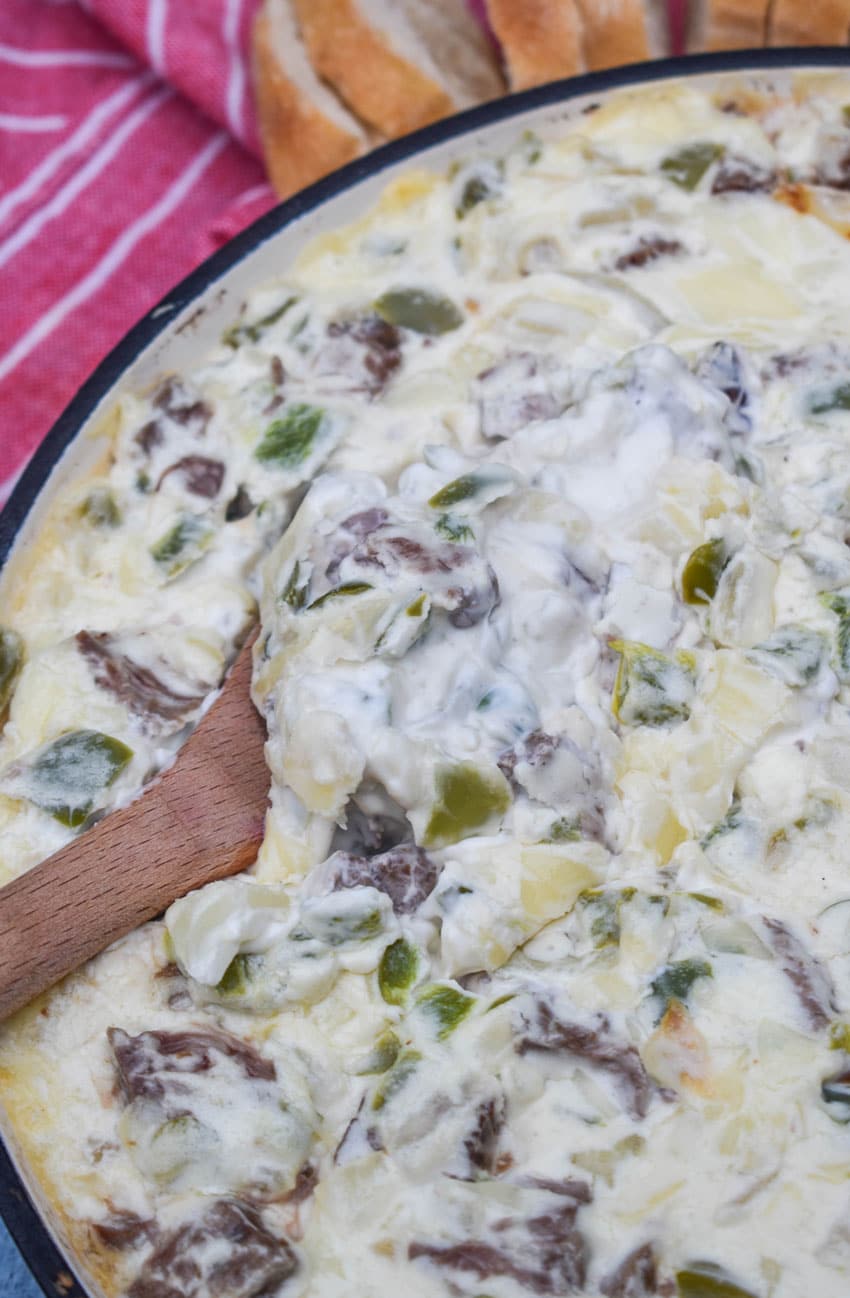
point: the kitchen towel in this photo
(128, 152)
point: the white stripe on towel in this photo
(79, 180)
(155, 34)
(19, 58)
(31, 125)
(79, 140)
(117, 253)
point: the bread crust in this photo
(300, 143)
(614, 32)
(736, 24)
(378, 84)
(809, 22)
(541, 39)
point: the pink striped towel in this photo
(128, 152)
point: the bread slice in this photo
(305, 130)
(458, 45)
(658, 28)
(808, 22)
(377, 56)
(541, 39)
(727, 25)
(614, 32)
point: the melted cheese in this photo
(540, 476)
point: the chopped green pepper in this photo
(733, 819)
(11, 662)
(100, 508)
(239, 506)
(68, 775)
(839, 1037)
(748, 466)
(295, 591)
(532, 147)
(400, 1072)
(563, 830)
(397, 971)
(474, 192)
(405, 627)
(239, 974)
(826, 399)
(382, 1057)
(335, 921)
(288, 441)
(676, 980)
(460, 489)
(706, 1280)
(187, 540)
(419, 310)
(651, 689)
(501, 1000)
(484, 183)
(793, 653)
(840, 605)
(339, 592)
(482, 485)
(819, 811)
(603, 911)
(240, 333)
(713, 903)
(701, 573)
(687, 167)
(447, 1006)
(468, 798)
(452, 528)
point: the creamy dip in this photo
(540, 477)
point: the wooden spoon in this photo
(201, 820)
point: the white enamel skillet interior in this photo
(182, 329)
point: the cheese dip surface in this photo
(540, 477)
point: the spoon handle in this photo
(202, 820)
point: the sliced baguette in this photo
(541, 39)
(658, 28)
(614, 32)
(458, 45)
(727, 25)
(305, 130)
(808, 22)
(375, 57)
